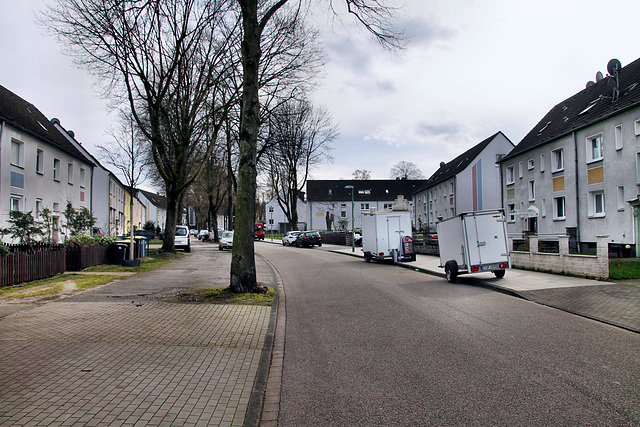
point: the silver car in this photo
(226, 241)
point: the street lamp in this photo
(353, 236)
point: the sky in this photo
(471, 68)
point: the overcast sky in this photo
(472, 68)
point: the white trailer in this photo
(387, 235)
(474, 242)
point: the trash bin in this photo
(139, 247)
(121, 253)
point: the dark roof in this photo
(587, 107)
(460, 163)
(25, 117)
(157, 200)
(378, 189)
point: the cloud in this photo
(426, 31)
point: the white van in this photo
(183, 238)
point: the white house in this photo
(39, 167)
(332, 202)
(577, 172)
(156, 207)
(276, 220)
(107, 191)
(470, 182)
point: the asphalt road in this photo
(370, 344)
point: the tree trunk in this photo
(168, 244)
(243, 265)
(131, 236)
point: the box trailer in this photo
(474, 242)
(387, 235)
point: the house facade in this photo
(276, 220)
(577, 171)
(39, 167)
(470, 182)
(107, 191)
(156, 207)
(330, 201)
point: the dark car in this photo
(309, 239)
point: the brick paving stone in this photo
(617, 304)
(97, 363)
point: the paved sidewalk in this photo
(617, 304)
(120, 355)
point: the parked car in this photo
(148, 234)
(183, 238)
(204, 235)
(193, 232)
(290, 238)
(308, 239)
(226, 241)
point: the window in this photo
(558, 208)
(618, 137)
(530, 164)
(511, 210)
(451, 190)
(557, 159)
(389, 206)
(17, 179)
(17, 153)
(16, 203)
(594, 148)
(270, 221)
(270, 209)
(532, 191)
(343, 214)
(330, 192)
(82, 179)
(364, 206)
(510, 175)
(543, 210)
(40, 161)
(596, 204)
(343, 205)
(56, 169)
(38, 209)
(636, 126)
(621, 198)
(364, 191)
(70, 173)
(519, 169)
(541, 162)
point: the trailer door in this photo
(394, 231)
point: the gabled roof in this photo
(587, 107)
(157, 200)
(460, 163)
(364, 190)
(25, 117)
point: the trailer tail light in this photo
(476, 268)
(504, 265)
(381, 253)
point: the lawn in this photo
(624, 268)
(154, 260)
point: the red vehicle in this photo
(259, 231)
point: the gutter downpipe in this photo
(575, 152)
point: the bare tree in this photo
(361, 174)
(406, 170)
(256, 14)
(127, 153)
(168, 61)
(301, 136)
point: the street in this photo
(370, 344)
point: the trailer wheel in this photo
(367, 256)
(451, 271)
(499, 274)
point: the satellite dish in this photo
(599, 76)
(613, 67)
(589, 84)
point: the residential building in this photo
(470, 182)
(276, 220)
(39, 167)
(107, 191)
(577, 171)
(156, 207)
(330, 201)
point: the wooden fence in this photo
(44, 261)
(24, 266)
